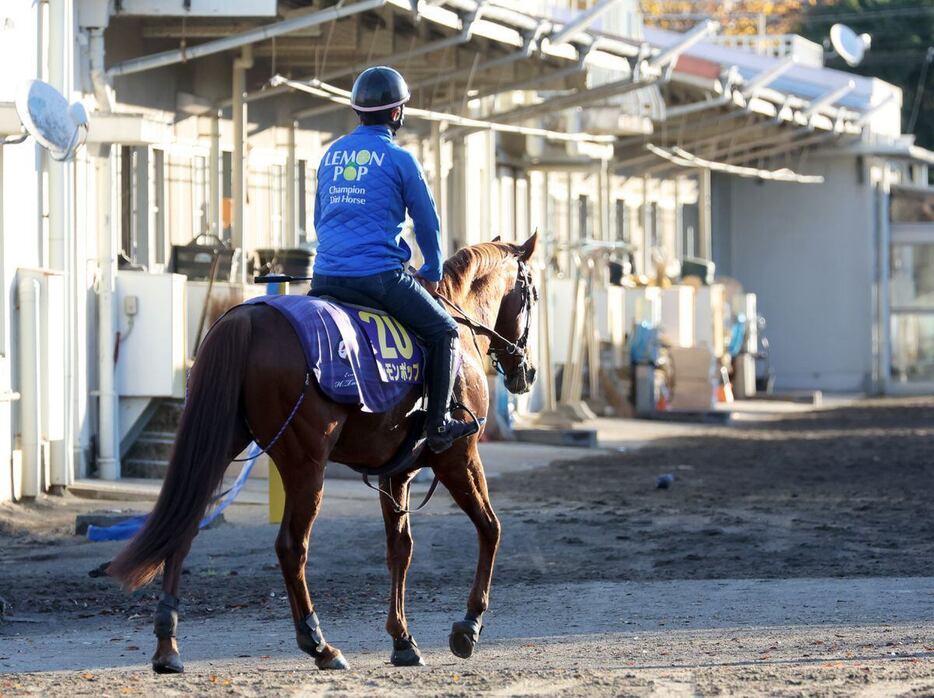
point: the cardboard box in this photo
(677, 321)
(693, 364)
(693, 395)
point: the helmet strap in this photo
(398, 123)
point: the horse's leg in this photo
(303, 481)
(166, 659)
(462, 475)
(398, 556)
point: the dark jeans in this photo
(399, 294)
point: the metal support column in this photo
(108, 446)
(61, 227)
(545, 364)
(436, 183)
(215, 164)
(704, 242)
(291, 193)
(238, 188)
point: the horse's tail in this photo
(200, 456)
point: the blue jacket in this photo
(365, 184)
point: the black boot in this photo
(442, 430)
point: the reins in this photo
(520, 346)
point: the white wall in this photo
(807, 251)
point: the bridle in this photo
(499, 345)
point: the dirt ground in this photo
(790, 556)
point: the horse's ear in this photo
(496, 239)
(527, 248)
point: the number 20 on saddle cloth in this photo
(359, 355)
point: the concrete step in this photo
(162, 437)
(149, 455)
(167, 416)
(142, 467)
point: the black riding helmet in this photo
(376, 92)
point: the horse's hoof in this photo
(333, 662)
(465, 634)
(168, 664)
(405, 653)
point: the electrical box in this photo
(151, 312)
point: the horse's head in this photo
(513, 321)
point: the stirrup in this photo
(452, 430)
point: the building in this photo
(208, 118)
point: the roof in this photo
(803, 81)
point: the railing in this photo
(804, 51)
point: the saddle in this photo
(359, 354)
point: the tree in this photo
(902, 31)
(734, 16)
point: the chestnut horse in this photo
(244, 383)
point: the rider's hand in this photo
(428, 285)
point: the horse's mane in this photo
(469, 265)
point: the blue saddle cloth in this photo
(359, 355)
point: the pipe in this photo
(30, 292)
(159, 60)
(61, 257)
(238, 190)
(696, 34)
(108, 451)
(581, 21)
(100, 77)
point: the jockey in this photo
(366, 183)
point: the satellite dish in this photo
(850, 46)
(47, 117)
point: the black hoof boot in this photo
(168, 664)
(311, 641)
(405, 652)
(465, 634)
(442, 438)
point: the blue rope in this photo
(129, 527)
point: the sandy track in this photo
(790, 557)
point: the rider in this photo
(366, 183)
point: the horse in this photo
(242, 388)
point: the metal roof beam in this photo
(683, 158)
(827, 99)
(342, 98)
(767, 77)
(697, 34)
(267, 31)
(499, 62)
